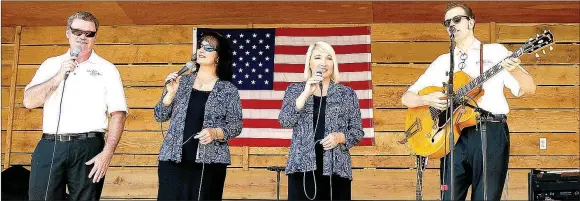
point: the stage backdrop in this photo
(148, 40)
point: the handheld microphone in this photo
(188, 66)
(75, 53)
(319, 72)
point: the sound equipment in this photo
(554, 185)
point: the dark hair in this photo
(224, 69)
(83, 15)
(465, 8)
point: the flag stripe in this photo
(338, 49)
(277, 104)
(283, 133)
(272, 142)
(279, 94)
(334, 31)
(332, 40)
(343, 58)
(273, 113)
(299, 68)
(346, 76)
(273, 123)
(356, 85)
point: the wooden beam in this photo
(12, 102)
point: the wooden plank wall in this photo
(400, 53)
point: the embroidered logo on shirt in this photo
(94, 73)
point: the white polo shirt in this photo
(92, 89)
(494, 99)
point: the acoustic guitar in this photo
(427, 128)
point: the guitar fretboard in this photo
(476, 82)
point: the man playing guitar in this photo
(468, 154)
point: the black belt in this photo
(72, 136)
(494, 118)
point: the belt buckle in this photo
(64, 138)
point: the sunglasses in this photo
(455, 19)
(78, 32)
(208, 48)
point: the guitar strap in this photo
(480, 58)
(480, 63)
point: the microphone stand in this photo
(451, 109)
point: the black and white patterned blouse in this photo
(222, 110)
(342, 115)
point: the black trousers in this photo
(180, 181)
(468, 163)
(68, 169)
(341, 187)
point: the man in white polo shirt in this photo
(468, 154)
(73, 153)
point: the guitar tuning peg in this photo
(530, 39)
(551, 48)
(537, 35)
(537, 55)
(543, 52)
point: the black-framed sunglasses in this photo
(455, 19)
(78, 32)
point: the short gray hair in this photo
(83, 15)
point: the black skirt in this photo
(341, 187)
(181, 181)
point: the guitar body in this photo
(427, 128)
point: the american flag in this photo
(267, 61)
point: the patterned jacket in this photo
(342, 115)
(222, 110)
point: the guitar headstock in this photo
(538, 43)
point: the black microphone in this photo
(452, 30)
(75, 53)
(188, 66)
(319, 72)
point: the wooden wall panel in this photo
(141, 183)
(154, 13)
(427, 52)
(545, 97)
(8, 34)
(6, 75)
(131, 75)
(7, 54)
(509, 33)
(386, 97)
(486, 11)
(125, 54)
(390, 32)
(406, 74)
(171, 34)
(5, 97)
(56, 13)
(519, 120)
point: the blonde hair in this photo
(326, 48)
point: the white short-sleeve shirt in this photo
(494, 99)
(92, 90)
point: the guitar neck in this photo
(419, 189)
(478, 81)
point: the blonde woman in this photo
(326, 122)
